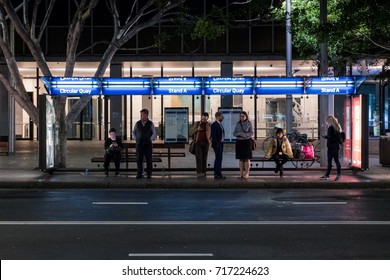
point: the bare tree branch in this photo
(33, 45)
(46, 20)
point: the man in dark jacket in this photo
(144, 133)
(217, 138)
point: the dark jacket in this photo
(144, 134)
(333, 136)
(216, 134)
(108, 143)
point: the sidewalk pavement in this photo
(19, 170)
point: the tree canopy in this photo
(356, 29)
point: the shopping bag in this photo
(308, 151)
(191, 148)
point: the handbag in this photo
(191, 148)
(253, 143)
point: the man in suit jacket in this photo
(217, 137)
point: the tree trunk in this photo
(61, 131)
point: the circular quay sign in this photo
(80, 86)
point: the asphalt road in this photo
(195, 224)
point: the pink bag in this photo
(308, 151)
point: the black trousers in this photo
(144, 150)
(114, 156)
(201, 152)
(280, 160)
(218, 150)
(333, 154)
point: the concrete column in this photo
(4, 107)
(116, 102)
(226, 72)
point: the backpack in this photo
(342, 137)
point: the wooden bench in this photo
(129, 153)
(4, 145)
(165, 150)
(305, 162)
(124, 159)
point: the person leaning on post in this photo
(113, 147)
(144, 133)
(279, 150)
(201, 131)
(243, 131)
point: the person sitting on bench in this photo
(113, 146)
(279, 150)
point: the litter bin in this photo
(384, 150)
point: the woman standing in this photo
(201, 131)
(243, 131)
(333, 144)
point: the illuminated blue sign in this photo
(330, 85)
(78, 86)
(177, 86)
(126, 86)
(229, 86)
(72, 86)
(279, 86)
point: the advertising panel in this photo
(176, 125)
(348, 132)
(228, 86)
(356, 132)
(126, 86)
(231, 118)
(177, 86)
(280, 86)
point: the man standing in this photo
(217, 137)
(144, 133)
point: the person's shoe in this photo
(324, 177)
(338, 177)
(116, 173)
(199, 175)
(106, 173)
(139, 176)
(149, 177)
(277, 169)
(246, 176)
(218, 177)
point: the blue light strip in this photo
(280, 86)
(126, 86)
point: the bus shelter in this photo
(176, 120)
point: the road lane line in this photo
(119, 203)
(171, 255)
(178, 223)
(321, 203)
